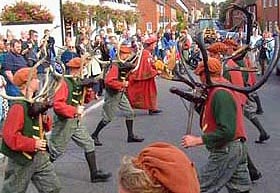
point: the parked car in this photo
(209, 27)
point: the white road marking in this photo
(96, 105)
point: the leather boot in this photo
(263, 135)
(253, 171)
(101, 87)
(130, 136)
(259, 110)
(94, 135)
(153, 112)
(95, 175)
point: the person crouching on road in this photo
(116, 82)
(68, 125)
(224, 136)
(24, 145)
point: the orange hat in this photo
(166, 164)
(21, 76)
(214, 65)
(125, 49)
(151, 39)
(74, 63)
(184, 31)
(231, 43)
(217, 47)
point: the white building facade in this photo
(54, 6)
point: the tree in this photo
(182, 23)
(207, 10)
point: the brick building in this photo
(271, 14)
(266, 13)
(234, 16)
(160, 14)
(196, 9)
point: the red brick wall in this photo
(270, 13)
(259, 10)
(149, 13)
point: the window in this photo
(270, 26)
(264, 3)
(149, 26)
(266, 26)
(126, 2)
(275, 2)
(270, 3)
(161, 9)
(275, 26)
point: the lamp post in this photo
(278, 15)
(164, 3)
(61, 21)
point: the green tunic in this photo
(224, 110)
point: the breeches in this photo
(112, 103)
(41, 172)
(249, 109)
(226, 166)
(65, 130)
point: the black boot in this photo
(263, 135)
(101, 87)
(130, 136)
(99, 127)
(95, 175)
(253, 171)
(259, 110)
(153, 112)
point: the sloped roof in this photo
(194, 3)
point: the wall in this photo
(52, 5)
(149, 13)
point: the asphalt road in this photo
(170, 127)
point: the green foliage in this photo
(214, 10)
(182, 23)
(75, 12)
(262, 25)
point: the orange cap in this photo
(231, 42)
(163, 163)
(74, 63)
(217, 47)
(184, 31)
(125, 49)
(150, 40)
(214, 65)
(21, 76)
